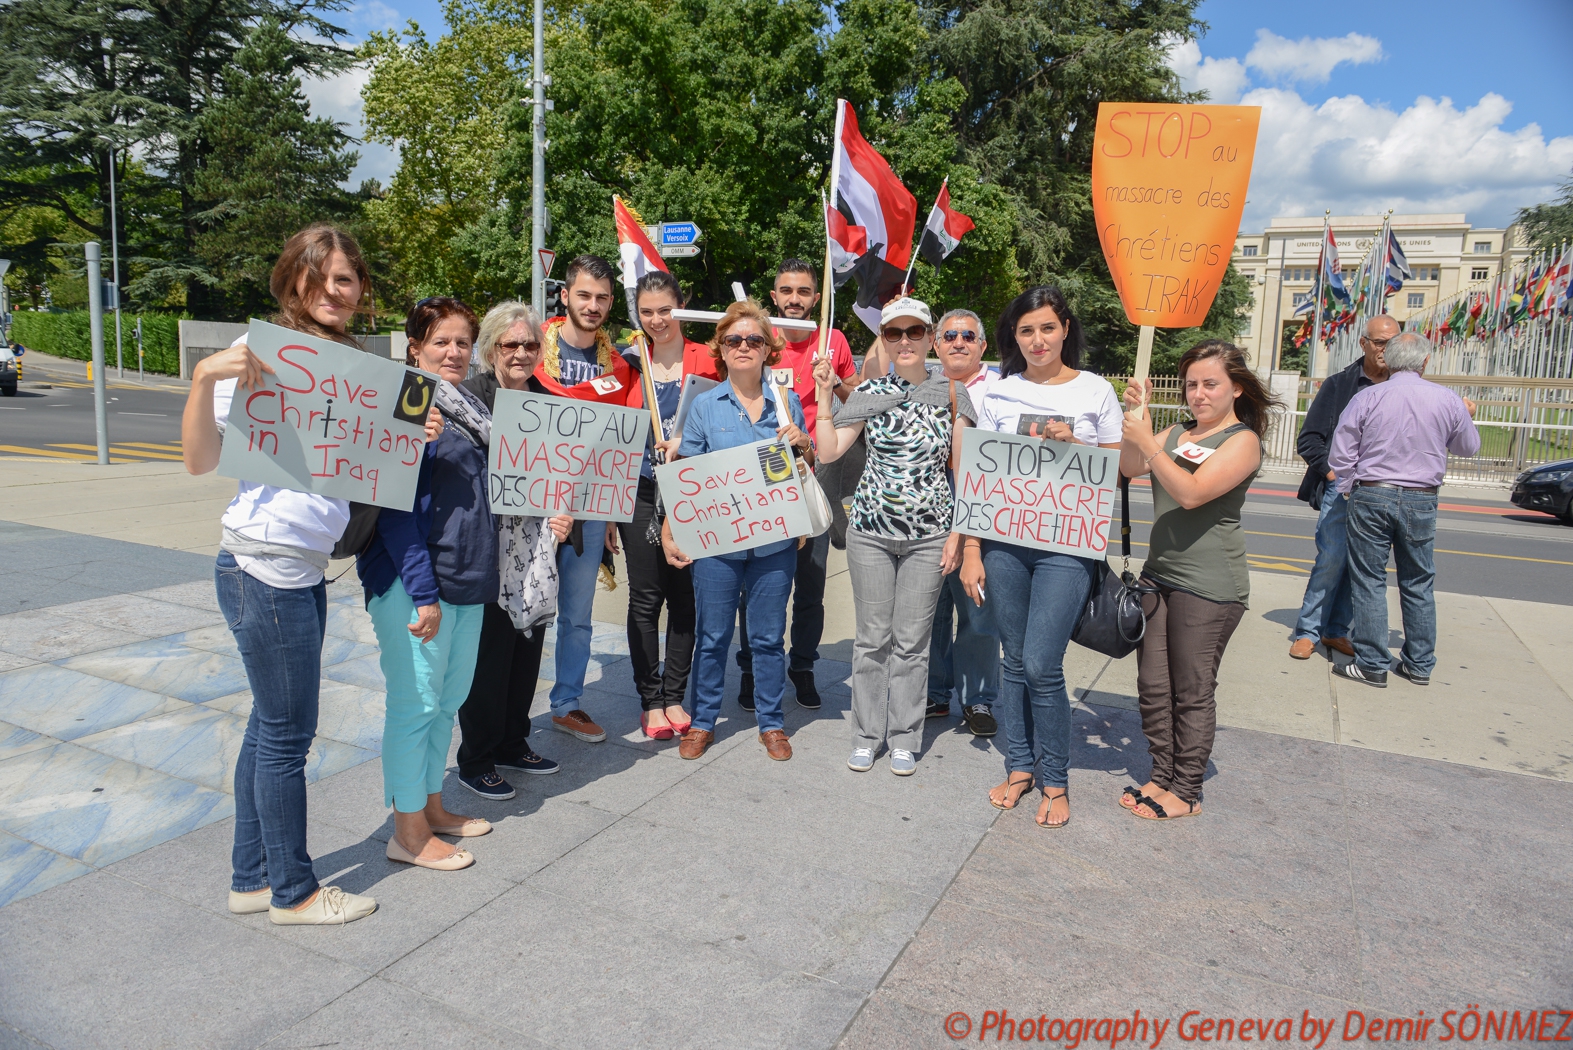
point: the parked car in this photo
(1548, 487)
(10, 368)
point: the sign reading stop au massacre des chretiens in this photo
(555, 455)
(734, 499)
(1036, 493)
(330, 419)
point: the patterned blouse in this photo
(905, 492)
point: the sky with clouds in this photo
(1439, 106)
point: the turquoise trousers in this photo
(427, 683)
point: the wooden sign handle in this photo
(656, 433)
(1143, 364)
(825, 288)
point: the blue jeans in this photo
(576, 576)
(720, 585)
(1038, 595)
(279, 633)
(427, 684)
(808, 609)
(1327, 609)
(971, 663)
(1405, 523)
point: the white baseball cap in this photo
(906, 306)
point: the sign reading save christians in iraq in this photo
(733, 499)
(1037, 493)
(1168, 188)
(330, 419)
(556, 455)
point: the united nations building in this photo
(1445, 253)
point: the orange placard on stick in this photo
(1168, 188)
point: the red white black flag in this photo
(944, 229)
(868, 195)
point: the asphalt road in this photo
(1484, 545)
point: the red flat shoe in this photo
(660, 733)
(679, 727)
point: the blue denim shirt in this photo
(717, 420)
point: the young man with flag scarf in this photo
(580, 361)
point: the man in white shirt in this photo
(969, 659)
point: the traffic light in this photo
(554, 298)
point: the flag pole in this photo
(827, 287)
(647, 377)
(906, 282)
(1316, 290)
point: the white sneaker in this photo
(862, 760)
(331, 907)
(902, 763)
(250, 903)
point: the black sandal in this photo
(1136, 797)
(1065, 793)
(1025, 785)
(1159, 813)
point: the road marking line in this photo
(165, 447)
(46, 454)
(117, 449)
(1508, 557)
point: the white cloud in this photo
(339, 97)
(1224, 79)
(1361, 158)
(371, 16)
(1309, 59)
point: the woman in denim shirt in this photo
(741, 411)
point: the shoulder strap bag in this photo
(813, 494)
(1113, 623)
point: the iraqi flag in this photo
(867, 194)
(944, 230)
(635, 253)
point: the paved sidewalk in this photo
(1386, 851)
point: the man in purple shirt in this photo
(1389, 455)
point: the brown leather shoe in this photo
(1340, 645)
(777, 746)
(695, 742)
(1302, 648)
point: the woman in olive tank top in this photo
(1201, 470)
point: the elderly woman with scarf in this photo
(899, 546)
(494, 722)
(428, 573)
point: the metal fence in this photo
(1522, 423)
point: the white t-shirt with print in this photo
(1088, 402)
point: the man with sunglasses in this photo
(961, 657)
(1328, 609)
(796, 297)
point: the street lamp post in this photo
(114, 249)
(95, 313)
(539, 81)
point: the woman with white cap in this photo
(899, 546)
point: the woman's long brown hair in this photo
(1254, 401)
(306, 255)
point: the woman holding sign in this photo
(654, 582)
(428, 574)
(1036, 596)
(271, 590)
(899, 545)
(1201, 471)
(743, 410)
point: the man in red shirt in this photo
(796, 297)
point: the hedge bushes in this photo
(68, 335)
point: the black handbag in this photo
(1113, 622)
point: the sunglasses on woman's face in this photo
(529, 347)
(950, 335)
(734, 341)
(914, 333)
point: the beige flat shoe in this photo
(250, 903)
(456, 861)
(472, 828)
(332, 907)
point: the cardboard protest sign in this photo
(1036, 493)
(558, 455)
(330, 420)
(734, 499)
(1168, 189)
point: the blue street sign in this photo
(679, 233)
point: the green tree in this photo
(139, 75)
(1551, 223)
(271, 169)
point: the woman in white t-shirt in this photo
(271, 591)
(1036, 594)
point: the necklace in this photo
(552, 358)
